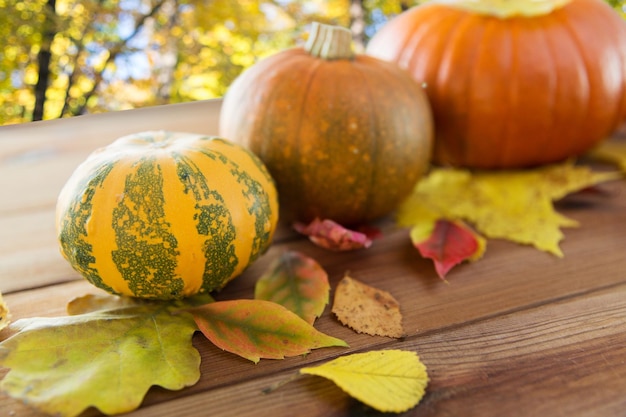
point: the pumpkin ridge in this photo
(295, 167)
(602, 14)
(73, 235)
(512, 100)
(251, 190)
(146, 253)
(407, 51)
(281, 62)
(181, 209)
(619, 118)
(213, 220)
(493, 33)
(374, 167)
(259, 208)
(253, 158)
(447, 61)
(580, 50)
(576, 120)
(267, 124)
(552, 99)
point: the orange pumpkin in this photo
(345, 136)
(513, 83)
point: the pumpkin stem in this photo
(329, 42)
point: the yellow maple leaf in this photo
(613, 152)
(387, 380)
(516, 205)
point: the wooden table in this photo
(519, 333)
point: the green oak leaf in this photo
(106, 354)
(296, 282)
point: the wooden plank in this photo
(511, 364)
(23, 141)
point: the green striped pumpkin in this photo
(165, 215)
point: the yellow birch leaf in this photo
(387, 380)
(516, 205)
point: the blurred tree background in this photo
(63, 58)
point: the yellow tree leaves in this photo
(160, 51)
(387, 380)
(513, 205)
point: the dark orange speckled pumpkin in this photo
(345, 136)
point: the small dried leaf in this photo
(387, 380)
(331, 235)
(256, 329)
(447, 244)
(296, 282)
(366, 309)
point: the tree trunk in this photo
(43, 60)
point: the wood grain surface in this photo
(518, 333)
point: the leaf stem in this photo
(280, 383)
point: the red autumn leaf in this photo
(256, 329)
(372, 232)
(594, 190)
(449, 244)
(296, 282)
(331, 235)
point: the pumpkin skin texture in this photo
(166, 215)
(345, 137)
(512, 91)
